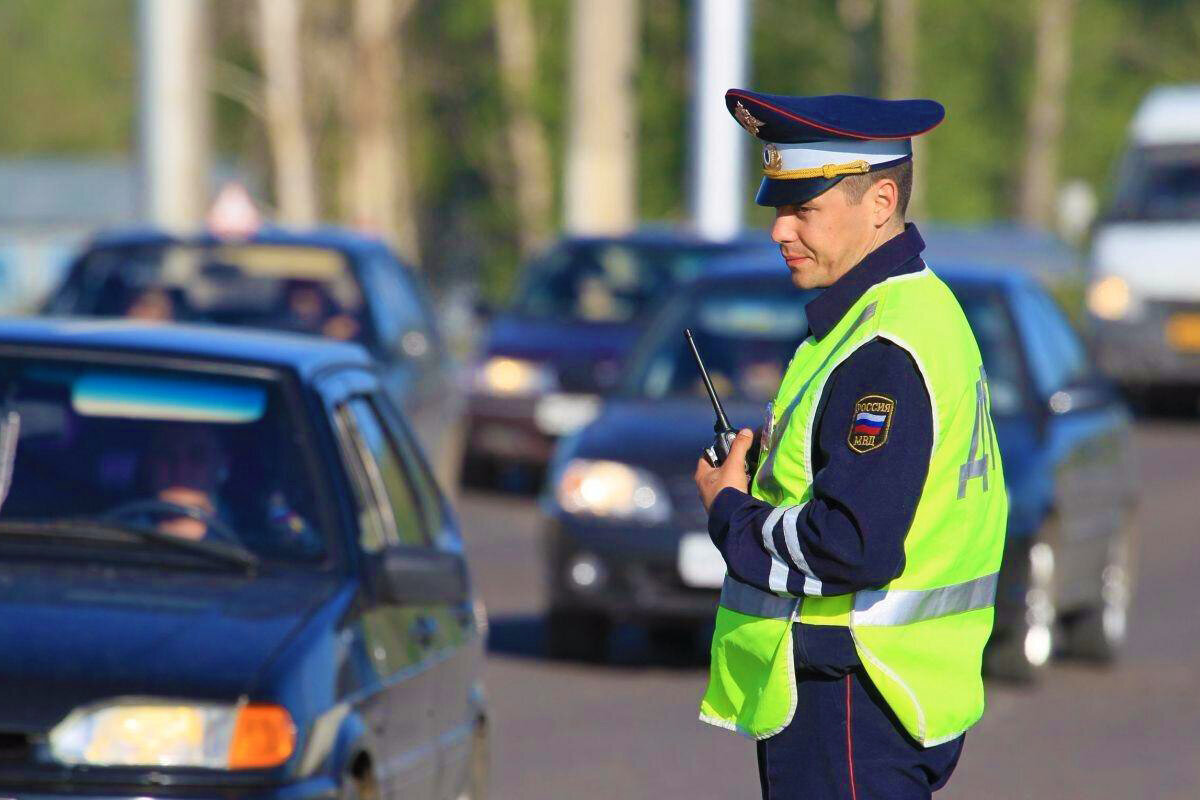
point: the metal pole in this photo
(173, 111)
(717, 155)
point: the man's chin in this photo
(802, 281)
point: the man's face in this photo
(823, 238)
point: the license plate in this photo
(1183, 332)
(700, 563)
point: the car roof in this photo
(1168, 115)
(767, 265)
(327, 237)
(304, 355)
(651, 236)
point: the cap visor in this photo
(774, 192)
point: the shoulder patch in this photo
(871, 423)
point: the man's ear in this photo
(885, 199)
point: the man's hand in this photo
(711, 480)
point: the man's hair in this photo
(856, 186)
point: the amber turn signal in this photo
(263, 736)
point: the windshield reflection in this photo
(197, 457)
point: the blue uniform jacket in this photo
(852, 532)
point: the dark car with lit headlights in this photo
(626, 537)
(225, 571)
(578, 310)
(327, 282)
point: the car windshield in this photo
(999, 345)
(605, 281)
(745, 335)
(1159, 183)
(279, 287)
(196, 456)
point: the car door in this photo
(459, 642)
(396, 630)
(418, 372)
(1086, 433)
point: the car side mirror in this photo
(419, 576)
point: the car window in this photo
(423, 482)
(1159, 183)
(605, 281)
(302, 289)
(999, 345)
(746, 335)
(399, 313)
(201, 456)
(1056, 355)
(374, 533)
(389, 474)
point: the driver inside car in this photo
(186, 465)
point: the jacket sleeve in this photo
(850, 534)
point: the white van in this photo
(1144, 294)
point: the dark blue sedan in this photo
(549, 357)
(626, 534)
(225, 570)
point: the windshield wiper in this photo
(85, 528)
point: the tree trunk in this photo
(526, 136)
(601, 192)
(1044, 125)
(898, 52)
(291, 150)
(379, 185)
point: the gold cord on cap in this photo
(771, 170)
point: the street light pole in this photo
(717, 154)
(173, 111)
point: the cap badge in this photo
(746, 119)
(772, 158)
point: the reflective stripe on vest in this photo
(902, 606)
(746, 599)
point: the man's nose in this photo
(781, 232)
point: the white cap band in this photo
(815, 155)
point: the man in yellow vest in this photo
(862, 554)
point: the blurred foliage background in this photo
(70, 89)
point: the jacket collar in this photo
(897, 256)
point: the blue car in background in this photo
(328, 282)
(626, 537)
(548, 358)
(225, 571)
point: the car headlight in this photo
(150, 733)
(514, 376)
(1110, 298)
(611, 489)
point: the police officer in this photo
(862, 555)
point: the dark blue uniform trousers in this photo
(844, 743)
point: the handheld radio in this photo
(719, 450)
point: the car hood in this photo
(75, 637)
(1157, 259)
(585, 356)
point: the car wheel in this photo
(1023, 652)
(577, 635)
(1098, 633)
(480, 765)
(359, 783)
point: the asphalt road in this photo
(629, 729)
